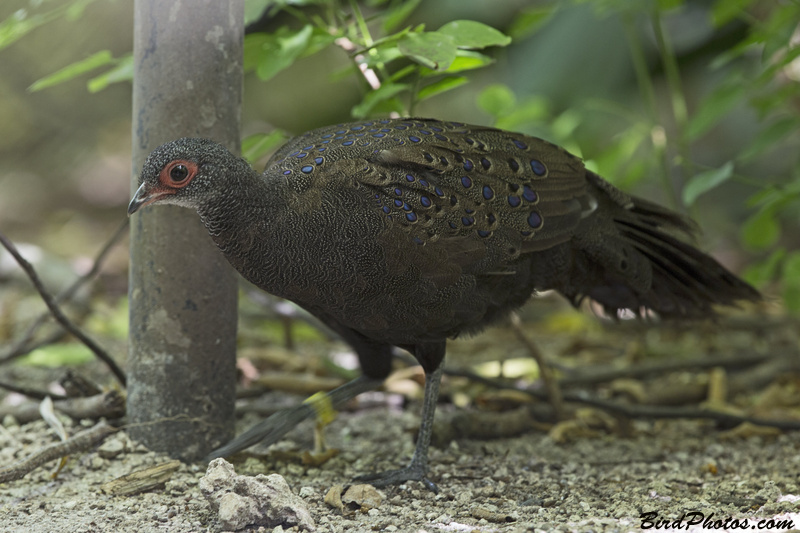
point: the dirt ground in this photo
(595, 472)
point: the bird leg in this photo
(279, 424)
(417, 469)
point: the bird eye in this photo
(178, 173)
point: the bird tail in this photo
(642, 264)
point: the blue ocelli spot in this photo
(440, 137)
(425, 201)
(401, 127)
(424, 183)
(538, 167)
(386, 209)
(356, 128)
(466, 182)
(347, 143)
(414, 139)
(534, 220)
(424, 132)
(519, 144)
(491, 219)
(468, 165)
(452, 225)
(467, 221)
(488, 193)
(514, 201)
(529, 194)
(409, 177)
(308, 169)
(318, 160)
(485, 163)
(406, 207)
(398, 203)
(327, 136)
(411, 217)
(484, 233)
(287, 172)
(469, 211)
(438, 192)
(379, 135)
(512, 163)
(398, 191)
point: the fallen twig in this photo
(58, 314)
(110, 404)
(23, 345)
(78, 443)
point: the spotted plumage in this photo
(404, 232)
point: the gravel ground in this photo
(527, 483)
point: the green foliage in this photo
(705, 181)
(399, 69)
(58, 355)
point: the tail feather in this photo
(625, 256)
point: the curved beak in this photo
(143, 197)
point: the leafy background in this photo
(695, 104)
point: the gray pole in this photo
(182, 345)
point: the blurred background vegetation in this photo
(692, 103)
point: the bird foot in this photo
(395, 477)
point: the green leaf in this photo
(279, 50)
(122, 71)
(705, 181)
(497, 100)
(761, 230)
(253, 9)
(713, 108)
(529, 20)
(465, 60)
(384, 92)
(724, 11)
(765, 271)
(791, 282)
(399, 12)
(256, 146)
(770, 136)
(430, 49)
(443, 85)
(74, 70)
(472, 34)
(19, 24)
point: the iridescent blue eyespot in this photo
(440, 137)
(485, 163)
(386, 209)
(529, 194)
(308, 169)
(538, 167)
(287, 172)
(534, 220)
(438, 192)
(425, 201)
(401, 127)
(409, 177)
(488, 193)
(514, 201)
(347, 143)
(318, 160)
(424, 183)
(512, 163)
(398, 203)
(411, 217)
(398, 191)
(379, 135)
(468, 165)
(467, 221)
(424, 132)
(521, 145)
(356, 128)
(466, 182)
(484, 233)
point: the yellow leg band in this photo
(323, 407)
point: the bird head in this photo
(187, 172)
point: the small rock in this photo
(307, 492)
(111, 448)
(362, 496)
(245, 501)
